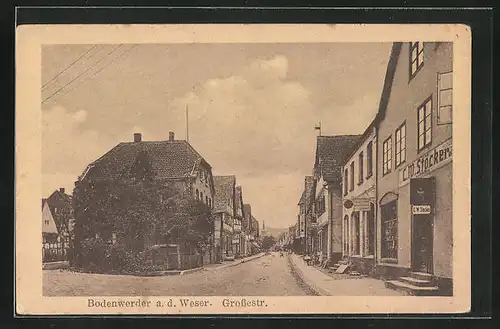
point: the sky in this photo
(252, 108)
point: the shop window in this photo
(416, 57)
(424, 126)
(351, 178)
(346, 234)
(360, 168)
(387, 156)
(400, 144)
(356, 233)
(389, 216)
(445, 98)
(346, 174)
(370, 240)
(369, 160)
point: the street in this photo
(266, 276)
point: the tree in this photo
(134, 209)
(268, 241)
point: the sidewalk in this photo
(213, 267)
(329, 285)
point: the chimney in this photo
(61, 190)
(171, 136)
(137, 137)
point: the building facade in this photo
(414, 180)
(169, 173)
(247, 228)
(57, 226)
(224, 211)
(359, 202)
(331, 152)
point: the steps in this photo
(417, 284)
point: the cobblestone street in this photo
(266, 276)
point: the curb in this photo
(192, 270)
(55, 265)
(237, 262)
(310, 285)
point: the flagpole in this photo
(187, 123)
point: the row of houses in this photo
(382, 201)
(154, 204)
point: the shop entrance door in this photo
(422, 243)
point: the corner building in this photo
(414, 160)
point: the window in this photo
(389, 230)
(369, 160)
(416, 57)
(206, 199)
(201, 196)
(445, 98)
(360, 168)
(387, 156)
(400, 144)
(424, 126)
(346, 173)
(197, 194)
(351, 178)
(321, 205)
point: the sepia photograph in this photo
(245, 168)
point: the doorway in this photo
(422, 243)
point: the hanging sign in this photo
(362, 205)
(348, 204)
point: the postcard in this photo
(242, 169)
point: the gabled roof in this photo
(331, 152)
(169, 159)
(64, 205)
(302, 196)
(309, 189)
(247, 212)
(224, 192)
(238, 200)
(388, 81)
(384, 98)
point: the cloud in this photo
(248, 122)
(66, 149)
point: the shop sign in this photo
(421, 209)
(362, 205)
(431, 160)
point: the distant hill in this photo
(275, 231)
